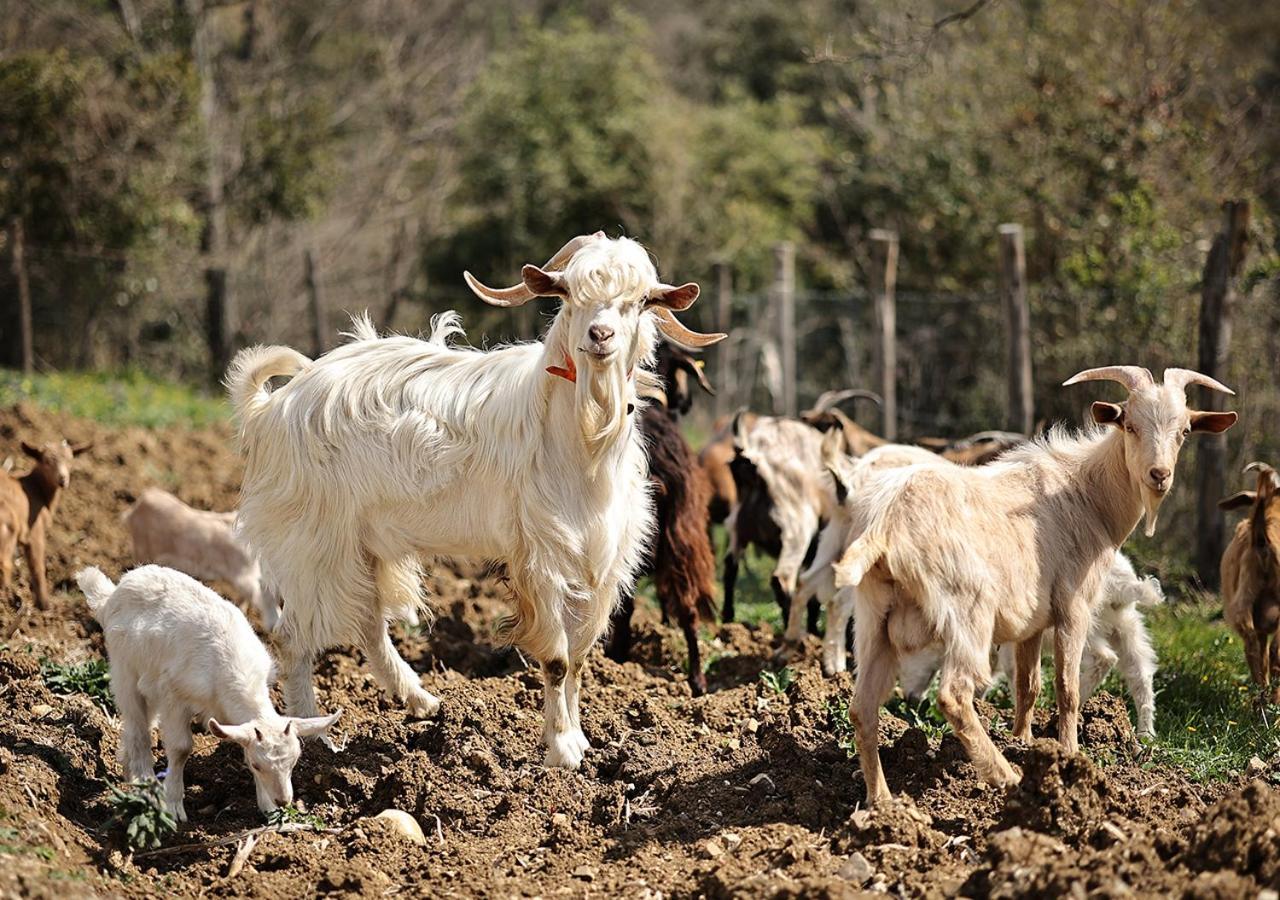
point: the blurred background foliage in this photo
(403, 142)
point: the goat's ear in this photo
(1238, 501)
(676, 299)
(240, 734)
(1212, 422)
(1107, 413)
(77, 449)
(33, 452)
(314, 726)
(543, 283)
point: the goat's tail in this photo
(97, 589)
(859, 559)
(250, 371)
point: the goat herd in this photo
(562, 461)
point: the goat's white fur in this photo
(1117, 636)
(177, 651)
(388, 450)
(203, 544)
(1000, 553)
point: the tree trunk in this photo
(17, 236)
(219, 304)
(1217, 298)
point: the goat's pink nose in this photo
(600, 333)
(1159, 474)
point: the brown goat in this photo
(680, 559)
(27, 505)
(1251, 576)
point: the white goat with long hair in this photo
(388, 450)
(973, 557)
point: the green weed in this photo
(116, 398)
(779, 681)
(91, 677)
(139, 807)
(291, 815)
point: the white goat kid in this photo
(1000, 553)
(179, 651)
(201, 543)
(1117, 636)
(387, 450)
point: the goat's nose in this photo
(600, 333)
(1159, 474)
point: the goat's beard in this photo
(601, 406)
(1151, 508)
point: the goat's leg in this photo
(561, 736)
(1272, 643)
(1069, 635)
(1137, 659)
(1253, 653)
(835, 653)
(1096, 664)
(730, 581)
(35, 562)
(877, 672)
(135, 726)
(175, 734)
(296, 663)
(955, 699)
(395, 675)
(688, 618)
(1026, 685)
(786, 574)
(619, 646)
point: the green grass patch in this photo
(1208, 718)
(118, 398)
(91, 677)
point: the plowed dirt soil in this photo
(746, 792)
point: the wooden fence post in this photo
(784, 300)
(884, 282)
(314, 303)
(1217, 298)
(18, 249)
(726, 376)
(213, 239)
(1013, 281)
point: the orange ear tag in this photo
(569, 372)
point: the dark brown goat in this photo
(1251, 576)
(680, 559)
(27, 505)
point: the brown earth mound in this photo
(746, 792)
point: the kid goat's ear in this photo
(1238, 501)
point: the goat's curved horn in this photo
(827, 399)
(1260, 467)
(1183, 377)
(519, 294)
(675, 332)
(1132, 377)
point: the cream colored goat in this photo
(972, 557)
(199, 542)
